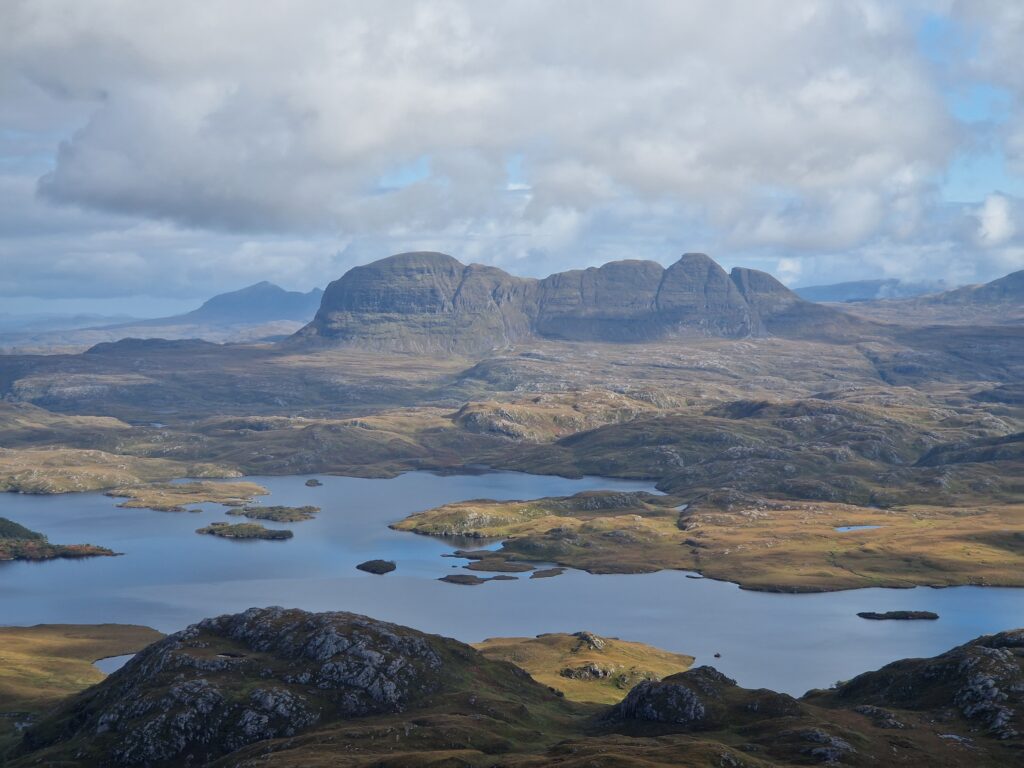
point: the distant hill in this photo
(1000, 302)
(868, 290)
(430, 302)
(258, 312)
(262, 302)
(1005, 290)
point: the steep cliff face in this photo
(429, 302)
(615, 302)
(423, 302)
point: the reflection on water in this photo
(169, 577)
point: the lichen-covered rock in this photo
(982, 680)
(266, 673)
(691, 698)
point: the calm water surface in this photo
(170, 577)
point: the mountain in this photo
(868, 290)
(430, 302)
(1000, 302)
(1005, 290)
(258, 312)
(278, 687)
(262, 302)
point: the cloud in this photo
(995, 221)
(222, 141)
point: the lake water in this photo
(170, 577)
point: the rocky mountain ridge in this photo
(430, 302)
(280, 687)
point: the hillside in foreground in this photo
(277, 687)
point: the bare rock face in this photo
(615, 302)
(429, 302)
(700, 699)
(423, 302)
(266, 673)
(698, 298)
(983, 680)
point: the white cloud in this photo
(995, 221)
(220, 141)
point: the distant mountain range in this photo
(869, 290)
(262, 302)
(430, 302)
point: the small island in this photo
(19, 543)
(547, 573)
(276, 514)
(378, 567)
(313, 483)
(899, 616)
(245, 531)
(471, 580)
(175, 497)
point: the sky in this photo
(153, 154)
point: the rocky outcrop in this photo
(429, 302)
(265, 673)
(423, 302)
(982, 680)
(285, 687)
(700, 699)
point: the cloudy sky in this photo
(155, 153)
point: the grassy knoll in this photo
(67, 470)
(586, 667)
(41, 665)
(175, 497)
(759, 543)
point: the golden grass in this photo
(174, 497)
(623, 664)
(43, 664)
(66, 470)
(757, 543)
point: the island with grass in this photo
(275, 514)
(779, 545)
(245, 531)
(19, 543)
(177, 497)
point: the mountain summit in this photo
(431, 302)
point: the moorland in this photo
(795, 447)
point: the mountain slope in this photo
(429, 302)
(868, 290)
(261, 302)
(277, 687)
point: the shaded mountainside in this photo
(261, 302)
(430, 302)
(1008, 289)
(276, 687)
(999, 302)
(868, 290)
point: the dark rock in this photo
(428, 302)
(465, 579)
(899, 615)
(313, 483)
(982, 680)
(547, 573)
(179, 702)
(379, 567)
